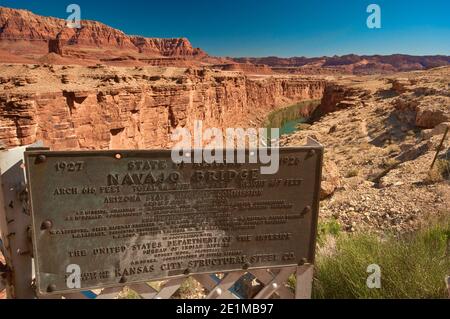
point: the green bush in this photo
(413, 266)
(331, 227)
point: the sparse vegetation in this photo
(303, 126)
(128, 293)
(413, 266)
(352, 173)
(189, 289)
(393, 149)
(389, 163)
(328, 228)
(440, 171)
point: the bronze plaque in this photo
(136, 216)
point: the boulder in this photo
(400, 85)
(425, 112)
(331, 179)
(438, 130)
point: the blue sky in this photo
(277, 27)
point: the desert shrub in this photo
(327, 228)
(440, 171)
(352, 173)
(127, 293)
(189, 289)
(389, 163)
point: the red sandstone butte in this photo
(27, 35)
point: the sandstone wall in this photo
(141, 114)
(337, 96)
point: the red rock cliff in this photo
(100, 108)
(17, 25)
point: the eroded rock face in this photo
(246, 68)
(337, 97)
(423, 110)
(400, 85)
(438, 130)
(109, 108)
(55, 46)
(24, 25)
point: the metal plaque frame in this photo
(44, 183)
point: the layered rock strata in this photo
(73, 107)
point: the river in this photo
(287, 119)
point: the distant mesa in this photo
(350, 64)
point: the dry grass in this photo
(440, 171)
(389, 163)
(393, 149)
(352, 173)
(413, 266)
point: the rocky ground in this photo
(380, 136)
(380, 133)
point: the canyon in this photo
(103, 107)
(380, 118)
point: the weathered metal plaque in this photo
(134, 216)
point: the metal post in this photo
(303, 289)
(15, 224)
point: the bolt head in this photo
(46, 225)
(41, 159)
(51, 288)
(303, 261)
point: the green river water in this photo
(287, 119)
